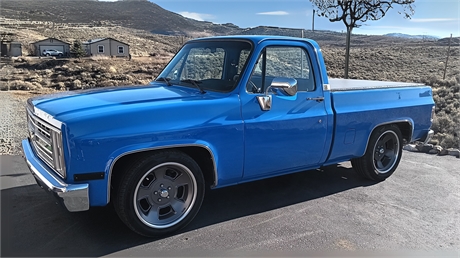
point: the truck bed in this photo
(349, 84)
(361, 106)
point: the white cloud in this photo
(274, 13)
(385, 27)
(197, 16)
(108, 0)
(433, 20)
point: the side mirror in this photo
(285, 86)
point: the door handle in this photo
(318, 99)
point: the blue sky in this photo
(432, 17)
(438, 18)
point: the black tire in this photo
(160, 193)
(47, 54)
(60, 55)
(382, 156)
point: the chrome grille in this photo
(47, 142)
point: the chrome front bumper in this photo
(74, 197)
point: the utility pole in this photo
(313, 22)
(447, 58)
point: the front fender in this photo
(226, 168)
(134, 149)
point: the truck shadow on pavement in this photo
(259, 196)
(33, 225)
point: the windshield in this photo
(207, 65)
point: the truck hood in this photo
(68, 102)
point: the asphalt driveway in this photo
(313, 212)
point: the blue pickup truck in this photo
(224, 111)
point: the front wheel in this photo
(160, 193)
(382, 156)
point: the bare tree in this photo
(352, 12)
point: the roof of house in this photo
(92, 41)
(52, 39)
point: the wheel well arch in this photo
(406, 129)
(202, 155)
(405, 126)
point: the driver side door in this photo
(292, 134)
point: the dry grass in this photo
(418, 62)
(72, 74)
(372, 58)
(142, 43)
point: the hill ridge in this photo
(136, 14)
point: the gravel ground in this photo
(13, 122)
(13, 125)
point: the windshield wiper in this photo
(164, 79)
(195, 83)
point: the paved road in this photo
(330, 210)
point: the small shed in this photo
(51, 43)
(8, 47)
(11, 49)
(16, 49)
(107, 47)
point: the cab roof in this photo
(255, 39)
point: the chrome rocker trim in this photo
(74, 197)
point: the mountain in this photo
(136, 14)
(455, 41)
(401, 35)
(68, 20)
(326, 37)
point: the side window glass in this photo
(243, 57)
(291, 62)
(255, 84)
(244, 54)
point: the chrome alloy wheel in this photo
(165, 195)
(386, 152)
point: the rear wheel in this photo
(160, 193)
(382, 156)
